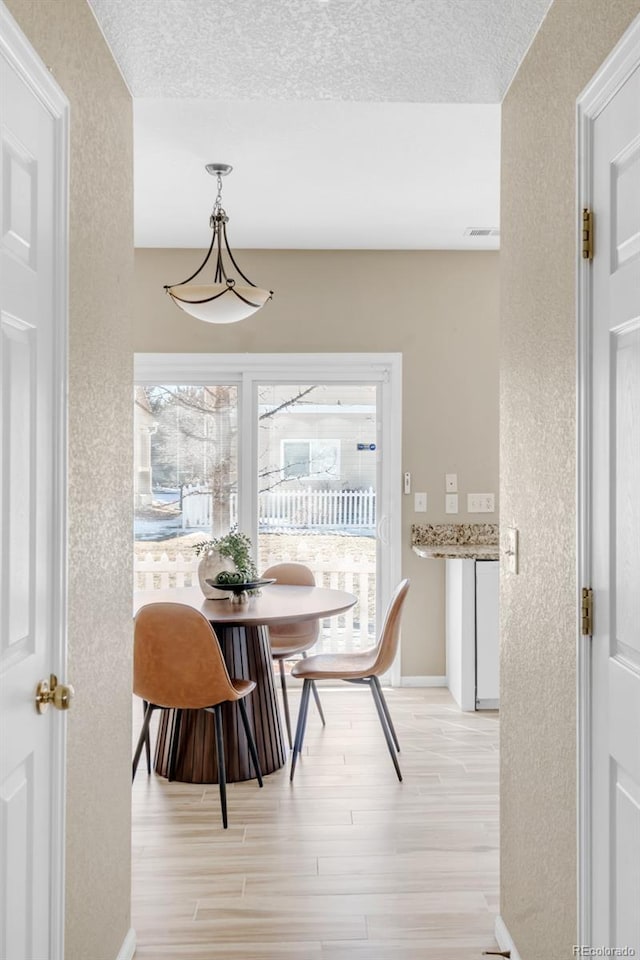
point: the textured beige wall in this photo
(537, 428)
(439, 309)
(65, 35)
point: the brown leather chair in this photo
(290, 639)
(364, 667)
(178, 663)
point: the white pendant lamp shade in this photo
(223, 300)
(218, 302)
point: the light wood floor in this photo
(346, 863)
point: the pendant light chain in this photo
(218, 213)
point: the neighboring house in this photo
(312, 439)
(319, 437)
(324, 441)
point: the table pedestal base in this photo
(247, 653)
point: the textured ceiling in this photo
(349, 123)
(413, 51)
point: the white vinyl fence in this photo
(317, 509)
(280, 510)
(350, 631)
(197, 507)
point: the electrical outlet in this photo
(451, 503)
(481, 502)
(420, 502)
(451, 482)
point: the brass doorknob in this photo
(59, 694)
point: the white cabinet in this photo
(487, 634)
(472, 623)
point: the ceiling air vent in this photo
(481, 232)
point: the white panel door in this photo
(615, 509)
(32, 341)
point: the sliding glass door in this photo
(302, 453)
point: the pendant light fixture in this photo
(223, 300)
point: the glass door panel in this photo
(317, 467)
(185, 477)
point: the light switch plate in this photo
(420, 502)
(481, 502)
(451, 503)
(451, 482)
(407, 482)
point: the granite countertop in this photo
(456, 541)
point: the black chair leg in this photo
(222, 775)
(300, 728)
(173, 747)
(383, 724)
(147, 739)
(316, 695)
(306, 717)
(392, 729)
(144, 733)
(250, 741)
(285, 700)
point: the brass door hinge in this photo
(587, 234)
(587, 612)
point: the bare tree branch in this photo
(286, 403)
(313, 473)
(193, 404)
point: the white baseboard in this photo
(128, 948)
(504, 938)
(487, 704)
(423, 681)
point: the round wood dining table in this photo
(243, 632)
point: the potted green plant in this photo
(224, 555)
